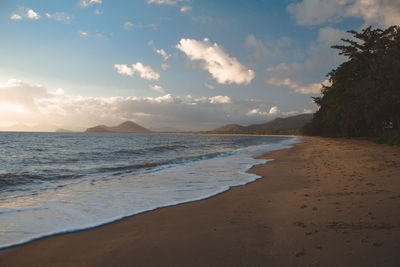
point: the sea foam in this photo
(60, 207)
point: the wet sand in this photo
(325, 202)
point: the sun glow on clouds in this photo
(222, 67)
(26, 104)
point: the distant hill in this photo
(126, 127)
(289, 125)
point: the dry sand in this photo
(326, 202)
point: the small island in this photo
(125, 127)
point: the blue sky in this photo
(189, 64)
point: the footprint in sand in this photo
(300, 253)
(299, 224)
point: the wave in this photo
(16, 179)
(82, 205)
(176, 161)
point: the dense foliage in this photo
(390, 138)
(364, 96)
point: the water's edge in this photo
(244, 171)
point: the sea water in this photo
(61, 182)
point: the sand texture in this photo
(325, 202)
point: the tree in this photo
(364, 96)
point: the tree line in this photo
(363, 98)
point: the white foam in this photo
(87, 203)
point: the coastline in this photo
(325, 201)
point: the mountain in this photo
(231, 128)
(126, 127)
(289, 125)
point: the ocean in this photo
(62, 182)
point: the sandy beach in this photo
(324, 202)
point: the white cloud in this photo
(30, 14)
(128, 25)
(97, 35)
(157, 88)
(222, 67)
(163, 2)
(220, 99)
(83, 34)
(16, 17)
(59, 16)
(145, 72)
(377, 12)
(97, 12)
(23, 12)
(186, 9)
(259, 112)
(273, 111)
(161, 52)
(87, 3)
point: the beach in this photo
(324, 202)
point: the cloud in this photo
(83, 34)
(157, 88)
(257, 111)
(185, 9)
(128, 25)
(305, 77)
(376, 12)
(23, 12)
(313, 88)
(161, 52)
(88, 3)
(145, 72)
(163, 2)
(30, 14)
(273, 111)
(222, 67)
(15, 17)
(219, 99)
(59, 16)
(22, 103)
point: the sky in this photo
(185, 64)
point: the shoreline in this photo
(250, 224)
(251, 177)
